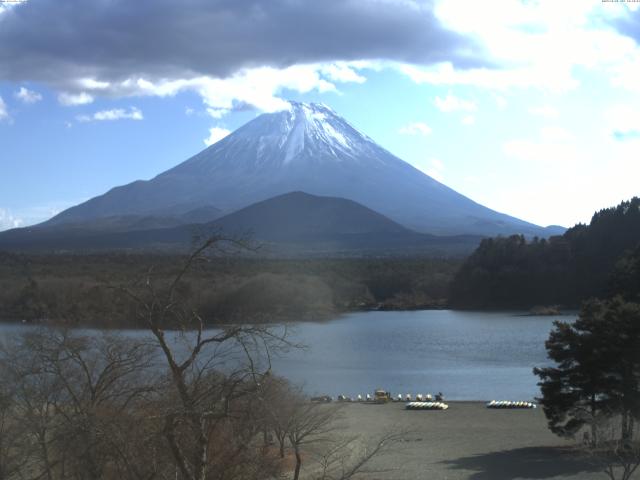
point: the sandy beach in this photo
(468, 441)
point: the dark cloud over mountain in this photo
(56, 40)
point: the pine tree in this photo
(596, 378)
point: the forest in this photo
(82, 290)
(592, 260)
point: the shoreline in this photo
(287, 321)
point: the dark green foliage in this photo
(625, 280)
(77, 289)
(597, 369)
(515, 273)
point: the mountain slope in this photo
(306, 148)
(289, 224)
(298, 216)
(300, 222)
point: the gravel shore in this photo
(468, 441)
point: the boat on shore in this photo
(426, 406)
(500, 404)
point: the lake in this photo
(466, 355)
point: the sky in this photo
(529, 107)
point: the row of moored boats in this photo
(426, 406)
(423, 402)
(509, 404)
(399, 398)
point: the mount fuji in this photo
(307, 148)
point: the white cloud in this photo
(114, 114)
(92, 84)
(553, 145)
(468, 120)
(454, 104)
(8, 220)
(623, 122)
(259, 87)
(546, 197)
(189, 111)
(4, 115)
(217, 112)
(416, 128)
(621, 169)
(27, 96)
(538, 44)
(501, 102)
(546, 111)
(72, 99)
(342, 72)
(215, 135)
(626, 74)
(256, 87)
(556, 134)
(556, 80)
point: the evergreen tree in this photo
(597, 373)
(517, 273)
(625, 279)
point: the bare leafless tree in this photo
(182, 400)
(205, 397)
(13, 442)
(314, 434)
(71, 393)
(277, 404)
(309, 424)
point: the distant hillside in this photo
(299, 216)
(298, 222)
(291, 224)
(515, 273)
(131, 223)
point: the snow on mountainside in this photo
(308, 148)
(304, 133)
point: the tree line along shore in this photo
(79, 289)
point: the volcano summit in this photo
(307, 148)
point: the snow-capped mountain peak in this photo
(319, 129)
(309, 148)
(304, 132)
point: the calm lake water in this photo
(465, 355)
